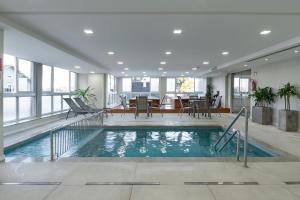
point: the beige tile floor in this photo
(73, 175)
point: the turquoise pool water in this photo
(138, 142)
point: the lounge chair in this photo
(91, 109)
(86, 107)
(74, 108)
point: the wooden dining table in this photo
(200, 105)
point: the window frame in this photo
(61, 94)
(19, 94)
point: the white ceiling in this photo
(140, 31)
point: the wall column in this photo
(38, 69)
(1, 95)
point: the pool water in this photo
(140, 142)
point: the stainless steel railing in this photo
(236, 132)
(65, 136)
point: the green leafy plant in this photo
(86, 95)
(286, 92)
(263, 96)
(209, 91)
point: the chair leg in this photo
(68, 114)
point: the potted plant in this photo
(209, 92)
(86, 95)
(288, 119)
(261, 112)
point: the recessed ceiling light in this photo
(111, 53)
(122, 72)
(126, 69)
(160, 69)
(144, 72)
(225, 53)
(194, 68)
(245, 65)
(265, 32)
(187, 72)
(205, 63)
(88, 31)
(164, 72)
(296, 51)
(182, 75)
(92, 72)
(266, 59)
(177, 31)
(77, 67)
(120, 62)
(168, 52)
(163, 62)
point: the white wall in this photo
(219, 84)
(275, 75)
(97, 82)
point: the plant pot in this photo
(262, 115)
(288, 120)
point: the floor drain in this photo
(221, 183)
(292, 182)
(30, 183)
(122, 183)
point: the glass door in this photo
(241, 90)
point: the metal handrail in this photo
(237, 132)
(78, 123)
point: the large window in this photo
(9, 75)
(154, 85)
(61, 80)
(18, 89)
(126, 84)
(112, 98)
(170, 84)
(25, 74)
(185, 85)
(175, 86)
(19, 93)
(62, 84)
(9, 109)
(47, 78)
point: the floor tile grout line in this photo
(291, 192)
(52, 191)
(130, 192)
(211, 192)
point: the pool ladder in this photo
(236, 132)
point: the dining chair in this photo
(124, 104)
(183, 107)
(159, 106)
(142, 104)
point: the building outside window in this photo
(18, 89)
